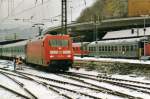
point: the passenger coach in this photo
(119, 48)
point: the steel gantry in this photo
(64, 17)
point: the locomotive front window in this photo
(57, 43)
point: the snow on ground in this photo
(44, 93)
(4, 94)
(11, 85)
(48, 75)
(79, 89)
(120, 89)
(125, 77)
(38, 90)
(113, 60)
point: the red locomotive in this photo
(54, 51)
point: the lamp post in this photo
(95, 35)
(144, 29)
(39, 27)
(71, 13)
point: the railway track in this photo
(105, 90)
(138, 88)
(21, 85)
(14, 92)
(135, 85)
(53, 86)
(110, 78)
(96, 88)
(19, 75)
(93, 87)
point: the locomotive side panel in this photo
(35, 52)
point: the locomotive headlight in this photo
(51, 56)
(66, 52)
(69, 56)
(53, 52)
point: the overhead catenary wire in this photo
(85, 2)
(23, 11)
(39, 3)
(28, 9)
(19, 4)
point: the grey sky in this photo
(30, 9)
(29, 12)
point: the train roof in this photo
(79, 44)
(46, 35)
(118, 41)
(126, 33)
(11, 41)
(21, 43)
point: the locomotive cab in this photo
(59, 51)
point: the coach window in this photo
(115, 48)
(131, 47)
(108, 48)
(89, 49)
(99, 48)
(123, 48)
(127, 48)
(92, 49)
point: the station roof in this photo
(127, 33)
